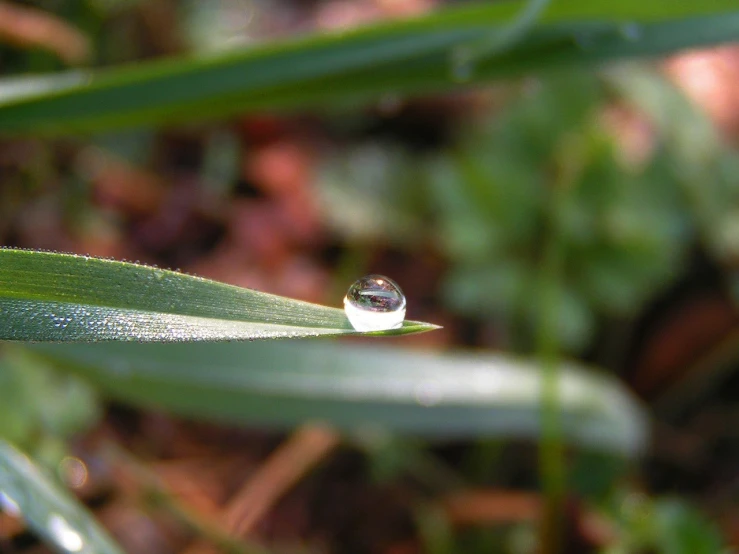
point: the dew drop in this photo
(375, 303)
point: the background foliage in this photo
(529, 172)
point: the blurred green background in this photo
(574, 210)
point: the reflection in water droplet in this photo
(64, 535)
(375, 303)
(630, 31)
(73, 471)
(8, 505)
(428, 394)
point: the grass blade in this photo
(281, 384)
(396, 57)
(61, 297)
(52, 513)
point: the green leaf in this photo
(62, 297)
(51, 512)
(681, 529)
(284, 383)
(697, 154)
(36, 402)
(409, 56)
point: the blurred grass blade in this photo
(61, 297)
(412, 56)
(22, 87)
(285, 383)
(512, 33)
(52, 513)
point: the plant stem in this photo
(551, 451)
(551, 464)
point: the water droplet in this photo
(64, 535)
(630, 31)
(375, 303)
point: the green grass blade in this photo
(51, 512)
(281, 384)
(396, 57)
(62, 297)
(508, 37)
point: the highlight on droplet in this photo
(63, 535)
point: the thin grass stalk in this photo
(552, 472)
